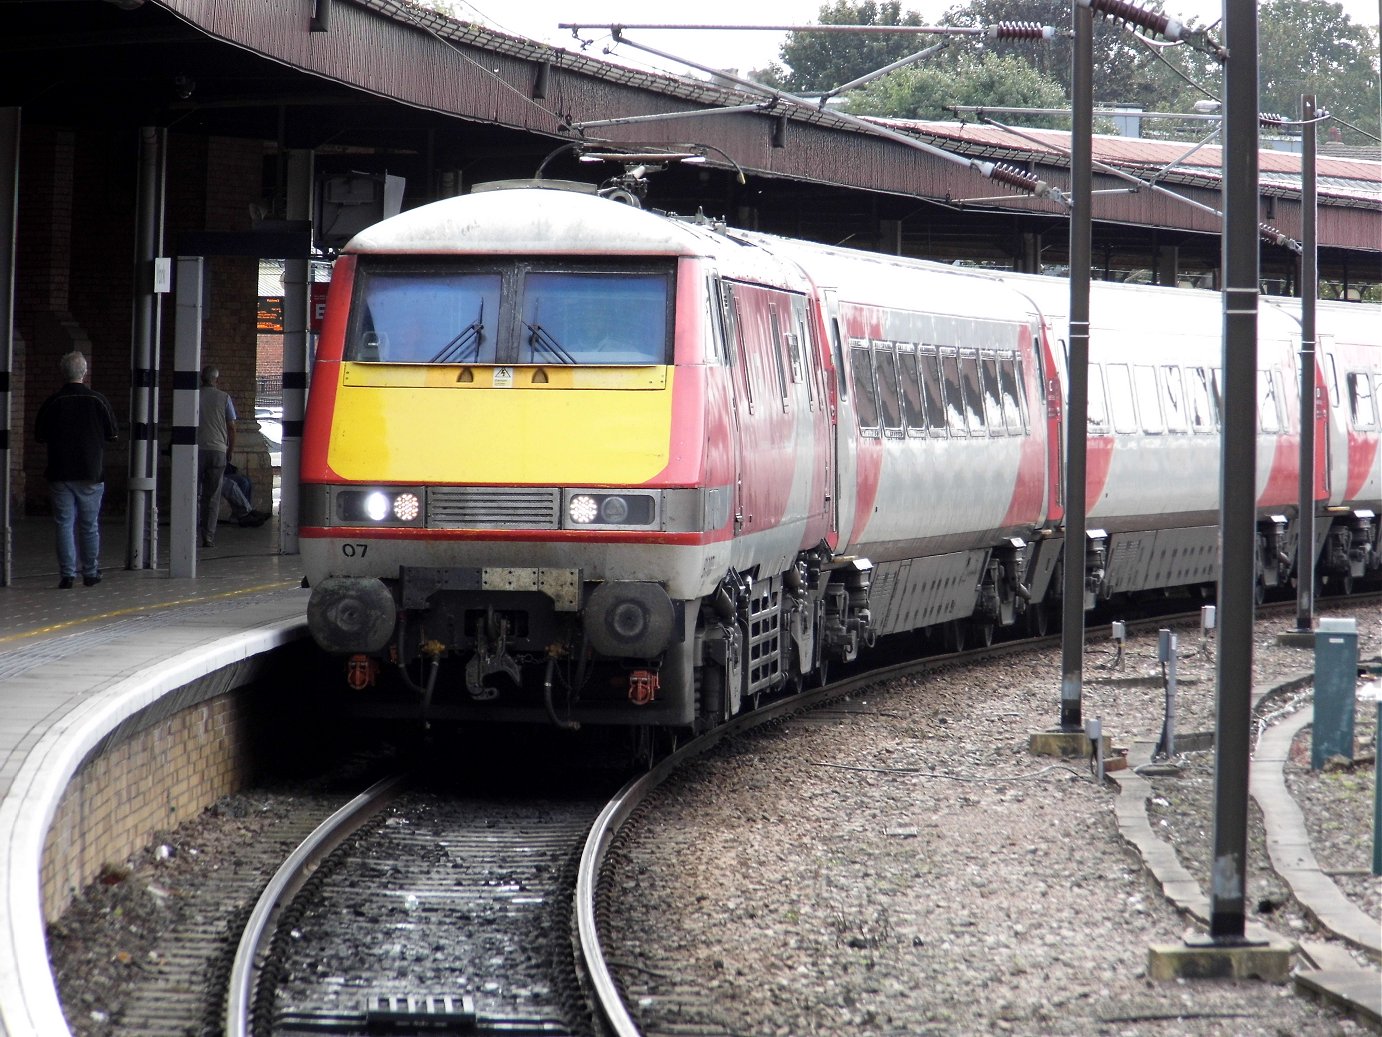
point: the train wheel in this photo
(1346, 584)
(983, 634)
(955, 635)
(1038, 620)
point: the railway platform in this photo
(88, 665)
(80, 668)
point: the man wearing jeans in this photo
(215, 441)
(76, 422)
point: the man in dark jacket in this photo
(76, 422)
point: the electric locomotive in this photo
(567, 458)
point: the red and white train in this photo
(569, 459)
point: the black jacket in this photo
(76, 422)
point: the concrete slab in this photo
(1269, 961)
(1357, 992)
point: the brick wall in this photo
(149, 783)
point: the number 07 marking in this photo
(354, 550)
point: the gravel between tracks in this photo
(902, 864)
(898, 864)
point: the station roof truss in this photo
(388, 76)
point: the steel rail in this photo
(285, 884)
(608, 1001)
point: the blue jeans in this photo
(77, 513)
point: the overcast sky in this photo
(538, 19)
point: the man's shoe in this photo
(208, 542)
(65, 584)
(91, 581)
(256, 518)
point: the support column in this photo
(1309, 290)
(1081, 196)
(1168, 265)
(141, 548)
(187, 364)
(295, 353)
(1237, 477)
(890, 237)
(9, 221)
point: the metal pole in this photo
(9, 222)
(187, 362)
(1309, 292)
(143, 480)
(1081, 183)
(1237, 475)
(295, 359)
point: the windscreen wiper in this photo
(466, 341)
(540, 336)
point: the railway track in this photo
(445, 895)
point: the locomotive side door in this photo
(844, 446)
(740, 394)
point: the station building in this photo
(260, 136)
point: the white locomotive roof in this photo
(530, 220)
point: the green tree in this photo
(1125, 71)
(819, 60)
(1312, 46)
(925, 91)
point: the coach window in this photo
(913, 410)
(889, 405)
(1009, 387)
(973, 394)
(425, 316)
(865, 393)
(1120, 398)
(1200, 400)
(1268, 416)
(954, 398)
(931, 391)
(1362, 404)
(1096, 407)
(1173, 398)
(993, 396)
(1148, 399)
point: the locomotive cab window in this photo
(584, 317)
(425, 316)
(526, 312)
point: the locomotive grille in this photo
(493, 507)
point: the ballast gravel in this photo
(896, 864)
(902, 864)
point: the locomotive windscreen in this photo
(526, 312)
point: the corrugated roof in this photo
(1348, 179)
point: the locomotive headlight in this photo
(379, 507)
(583, 509)
(594, 508)
(376, 506)
(614, 510)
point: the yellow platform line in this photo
(136, 609)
